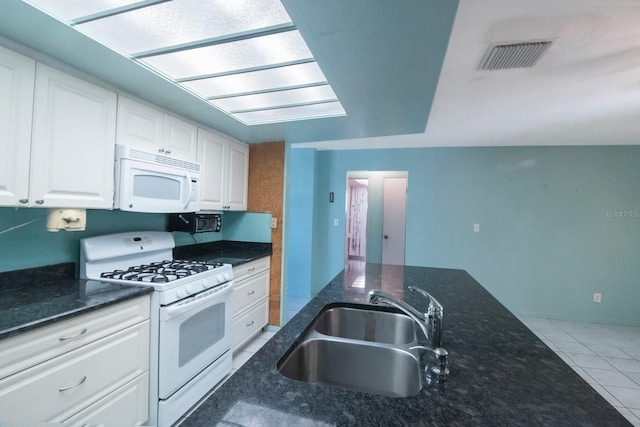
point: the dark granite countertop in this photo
(501, 373)
(225, 251)
(36, 297)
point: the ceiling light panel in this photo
(68, 10)
(256, 81)
(259, 101)
(239, 55)
(180, 22)
(315, 111)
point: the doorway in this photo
(393, 220)
(376, 204)
(357, 206)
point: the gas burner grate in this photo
(161, 271)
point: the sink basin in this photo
(366, 323)
(361, 366)
(359, 347)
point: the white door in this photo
(393, 220)
(180, 139)
(73, 140)
(238, 177)
(139, 126)
(17, 74)
(211, 152)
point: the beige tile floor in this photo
(605, 356)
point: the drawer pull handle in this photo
(83, 379)
(251, 293)
(251, 269)
(250, 323)
(82, 332)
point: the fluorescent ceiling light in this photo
(151, 28)
(68, 10)
(328, 109)
(281, 98)
(239, 55)
(243, 56)
(258, 81)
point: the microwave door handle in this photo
(187, 194)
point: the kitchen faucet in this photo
(430, 323)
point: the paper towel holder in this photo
(66, 219)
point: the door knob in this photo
(386, 237)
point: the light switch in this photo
(335, 222)
(476, 228)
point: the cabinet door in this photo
(211, 152)
(180, 139)
(249, 324)
(74, 126)
(127, 406)
(17, 74)
(238, 177)
(58, 388)
(139, 125)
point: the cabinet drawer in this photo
(29, 349)
(249, 291)
(60, 387)
(127, 406)
(244, 270)
(250, 323)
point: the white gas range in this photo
(190, 344)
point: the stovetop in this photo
(161, 271)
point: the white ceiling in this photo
(584, 90)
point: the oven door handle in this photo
(179, 308)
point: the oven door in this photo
(194, 332)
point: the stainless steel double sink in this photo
(359, 347)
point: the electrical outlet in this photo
(274, 222)
(597, 297)
(476, 228)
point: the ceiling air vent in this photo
(516, 55)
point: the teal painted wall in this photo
(300, 223)
(32, 245)
(556, 223)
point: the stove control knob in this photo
(189, 289)
(181, 293)
(227, 276)
(220, 278)
(205, 284)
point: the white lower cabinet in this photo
(250, 300)
(128, 406)
(104, 381)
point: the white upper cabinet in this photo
(72, 147)
(17, 76)
(148, 129)
(225, 171)
(57, 136)
(139, 125)
(238, 176)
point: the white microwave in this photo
(148, 182)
